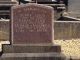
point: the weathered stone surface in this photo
(32, 56)
(32, 23)
(66, 30)
(74, 8)
(31, 49)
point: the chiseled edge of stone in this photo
(2, 43)
(40, 44)
(32, 55)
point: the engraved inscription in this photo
(32, 23)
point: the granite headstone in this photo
(32, 23)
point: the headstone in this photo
(32, 24)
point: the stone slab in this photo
(31, 49)
(33, 56)
(32, 23)
(74, 8)
(66, 30)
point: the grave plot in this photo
(32, 34)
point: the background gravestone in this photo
(32, 24)
(74, 8)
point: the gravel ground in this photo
(70, 47)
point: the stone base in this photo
(31, 48)
(32, 56)
(32, 52)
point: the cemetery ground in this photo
(70, 47)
